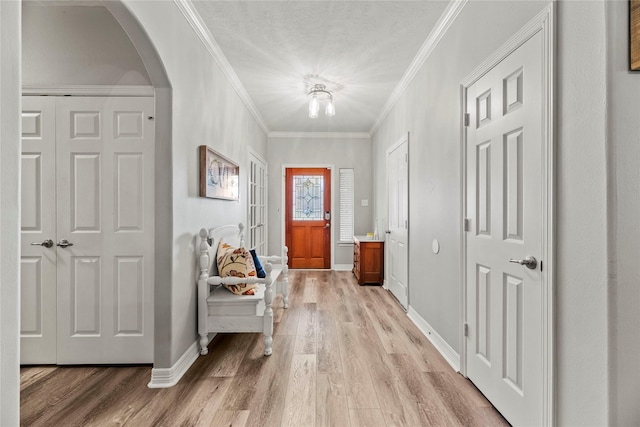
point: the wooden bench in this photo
(220, 310)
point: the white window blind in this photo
(346, 205)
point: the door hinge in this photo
(465, 329)
(540, 265)
(467, 224)
(467, 119)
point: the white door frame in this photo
(283, 202)
(544, 22)
(399, 142)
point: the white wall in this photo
(624, 210)
(9, 212)
(195, 106)
(67, 45)
(206, 110)
(430, 110)
(87, 64)
(581, 217)
(340, 152)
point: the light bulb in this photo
(331, 110)
(314, 107)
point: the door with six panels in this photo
(504, 208)
(87, 230)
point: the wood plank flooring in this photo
(343, 355)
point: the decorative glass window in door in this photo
(308, 197)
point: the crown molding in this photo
(88, 90)
(439, 30)
(195, 20)
(332, 135)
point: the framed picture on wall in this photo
(634, 35)
(219, 176)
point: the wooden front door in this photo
(308, 217)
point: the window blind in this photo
(346, 204)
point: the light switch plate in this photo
(364, 202)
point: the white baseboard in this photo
(438, 342)
(343, 267)
(168, 377)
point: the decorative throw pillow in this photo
(256, 261)
(236, 262)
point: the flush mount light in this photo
(317, 94)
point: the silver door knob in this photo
(529, 262)
(64, 243)
(47, 243)
(327, 225)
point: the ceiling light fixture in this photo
(319, 93)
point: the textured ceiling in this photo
(359, 49)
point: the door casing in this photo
(387, 270)
(283, 185)
(545, 22)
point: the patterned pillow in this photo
(236, 262)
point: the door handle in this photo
(529, 262)
(327, 225)
(64, 243)
(47, 243)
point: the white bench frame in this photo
(220, 310)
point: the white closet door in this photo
(105, 150)
(38, 225)
(397, 272)
(505, 208)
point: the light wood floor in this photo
(343, 355)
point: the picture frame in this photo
(634, 35)
(219, 176)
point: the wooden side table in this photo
(368, 260)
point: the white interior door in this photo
(94, 181)
(38, 256)
(257, 204)
(397, 242)
(105, 149)
(504, 206)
